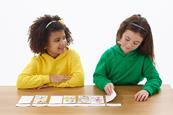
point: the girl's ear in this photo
(66, 43)
(119, 42)
(45, 48)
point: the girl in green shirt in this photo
(130, 61)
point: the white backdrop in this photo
(93, 24)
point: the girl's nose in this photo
(62, 43)
(129, 45)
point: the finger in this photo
(39, 87)
(138, 97)
(106, 90)
(112, 86)
(146, 97)
(142, 97)
(45, 86)
(109, 90)
(66, 78)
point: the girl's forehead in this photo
(57, 33)
(133, 35)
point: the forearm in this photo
(153, 86)
(100, 81)
(31, 81)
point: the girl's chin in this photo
(126, 51)
(61, 51)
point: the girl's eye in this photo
(127, 39)
(64, 38)
(57, 40)
(135, 43)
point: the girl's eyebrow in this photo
(58, 38)
(127, 36)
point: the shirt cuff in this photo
(46, 79)
(149, 89)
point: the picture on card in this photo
(97, 99)
(84, 99)
(69, 99)
(40, 100)
(25, 101)
(55, 101)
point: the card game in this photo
(66, 100)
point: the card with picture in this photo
(55, 101)
(40, 100)
(25, 101)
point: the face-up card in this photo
(84, 99)
(40, 100)
(69, 99)
(93, 101)
(97, 99)
(55, 101)
(24, 101)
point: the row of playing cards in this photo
(41, 100)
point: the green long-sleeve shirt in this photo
(119, 68)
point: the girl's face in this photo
(56, 43)
(130, 41)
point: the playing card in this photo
(40, 100)
(69, 101)
(55, 101)
(24, 101)
(84, 99)
(97, 99)
(111, 97)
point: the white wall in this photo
(93, 23)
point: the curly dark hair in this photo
(139, 24)
(39, 32)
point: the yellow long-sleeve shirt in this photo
(37, 72)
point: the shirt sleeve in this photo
(76, 73)
(29, 77)
(99, 77)
(154, 82)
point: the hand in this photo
(108, 88)
(58, 78)
(42, 87)
(142, 95)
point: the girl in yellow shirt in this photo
(55, 65)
